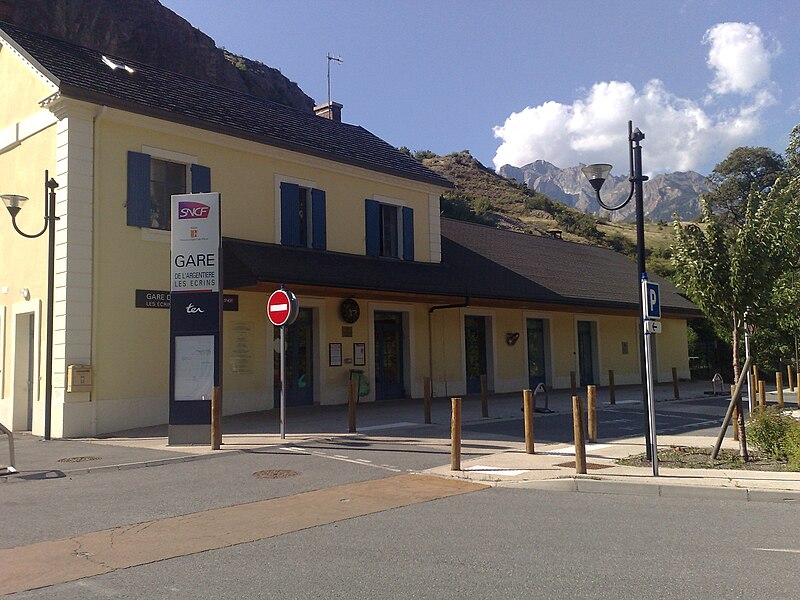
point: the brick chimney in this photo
(329, 110)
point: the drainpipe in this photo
(466, 303)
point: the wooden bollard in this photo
(791, 379)
(426, 401)
(351, 407)
(573, 383)
(216, 418)
(676, 392)
(612, 392)
(484, 396)
(455, 435)
(797, 387)
(762, 393)
(755, 375)
(591, 407)
(580, 440)
(779, 388)
(527, 407)
(735, 417)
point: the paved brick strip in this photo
(69, 559)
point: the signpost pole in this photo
(651, 309)
(282, 309)
(283, 382)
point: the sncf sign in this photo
(193, 210)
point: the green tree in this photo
(733, 262)
(743, 170)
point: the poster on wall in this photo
(194, 367)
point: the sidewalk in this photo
(503, 460)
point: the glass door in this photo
(389, 356)
(536, 357)
(475, 351)
(299, 362)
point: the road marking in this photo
(339, 457)
(571, 450)
(69, 559)
(786, 550)
(388, 426)
(496, 471)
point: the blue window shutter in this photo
(290, 214)
(318, 220)
(138, 189)
(201, 179)
(408, 233)
(372, 213)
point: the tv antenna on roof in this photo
(339, 60)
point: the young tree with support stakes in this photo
(730, 263)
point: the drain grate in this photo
(275, 474)
(589, 466)
(77, 459)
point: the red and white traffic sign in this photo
(282, 308)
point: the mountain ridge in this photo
(665, 194)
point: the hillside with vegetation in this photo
(482, 196)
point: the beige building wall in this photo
(27, 149)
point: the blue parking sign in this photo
(652, 300)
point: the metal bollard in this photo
(580, 440)
(351, 407)
(676, 392)
(484, 397)
(612, 392)
(426, 403)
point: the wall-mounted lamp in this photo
(512, 337)
(25, 293)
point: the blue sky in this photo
(515, 81)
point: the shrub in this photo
(774, 434)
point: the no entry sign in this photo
(282, 308)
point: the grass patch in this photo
(687, 457)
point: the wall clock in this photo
(349, 310)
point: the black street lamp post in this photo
(597, 174)
(14, 203)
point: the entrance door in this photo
(389, 355)
(585, 353)
(24, 372)
(475, 351)
(536, 360)
(299, 362)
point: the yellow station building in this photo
(347, 222)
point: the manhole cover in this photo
(275, 474)
(589, 466)
(77, 459)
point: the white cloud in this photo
(739, 57)
(682, 134)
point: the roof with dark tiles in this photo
(80, 73)
(477, 261)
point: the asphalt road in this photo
(499, 543)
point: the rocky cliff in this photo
(146, 31)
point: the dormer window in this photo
(115, 65)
